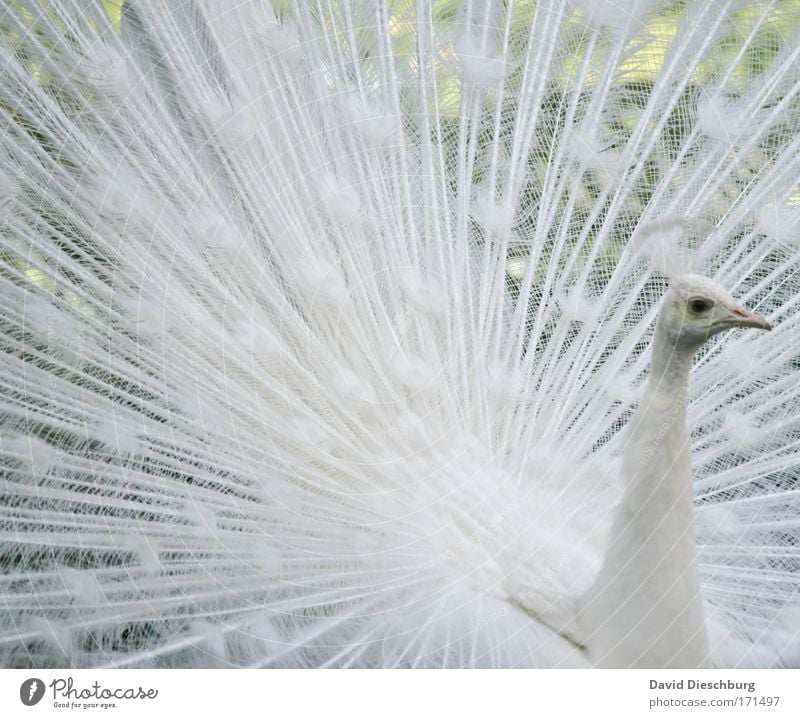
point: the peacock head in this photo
(696, 308)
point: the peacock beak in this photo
(743, 318)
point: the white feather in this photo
(323, 325)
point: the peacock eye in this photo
(699, 306)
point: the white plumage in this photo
(325, 324)
(645, 607)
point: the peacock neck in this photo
(645, 608)
(669, 369)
